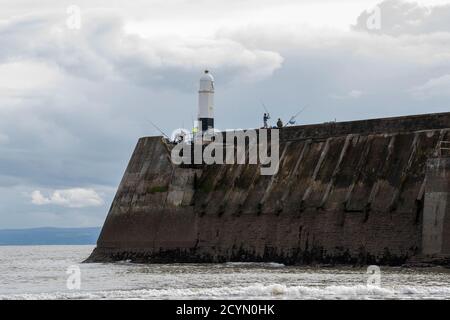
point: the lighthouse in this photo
(206, 102)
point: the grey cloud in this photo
(433, 88)
(101, 50)
(400, 18)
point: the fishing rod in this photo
(162, 132)
(291, 120)
(265, 108)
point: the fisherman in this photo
(265, 118)
(180, 137)
(279, 123)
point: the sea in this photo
(57, 272)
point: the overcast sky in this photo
(76, 94)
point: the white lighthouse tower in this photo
(206, 102)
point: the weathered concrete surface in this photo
(436, 215)
(350, 192)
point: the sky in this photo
(81, 81)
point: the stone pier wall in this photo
(351, 192)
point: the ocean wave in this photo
(257, 291)
(255, 264)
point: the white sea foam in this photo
(274, 291)
(255, 264)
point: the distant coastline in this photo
(49, 236)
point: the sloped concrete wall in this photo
(436, 216)
(348, 192)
